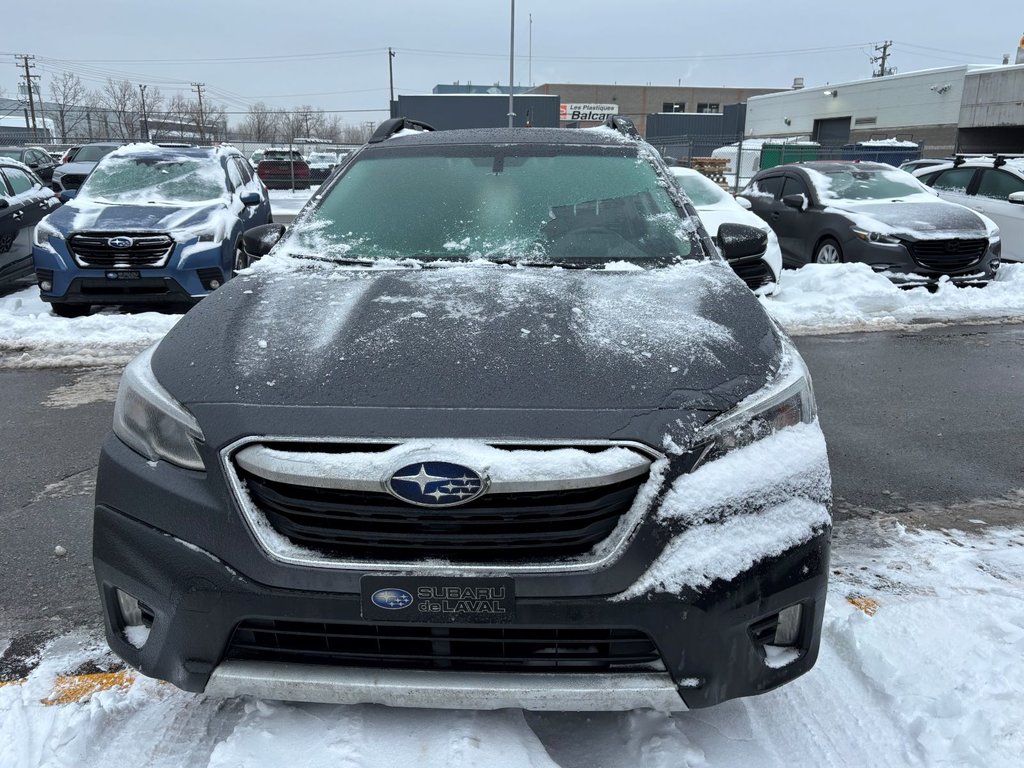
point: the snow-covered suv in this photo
(993, 186)
(493, 425)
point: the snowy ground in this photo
(920, 666)
(815, 299)
(289, 201)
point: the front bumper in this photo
(176, 541)
(184, 279)
(896, 263)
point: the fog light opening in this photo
(214, 284)
(787, 631)
(46, 285)
(136, 618)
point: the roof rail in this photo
(998, 158)
(389, 128)
(621, 124)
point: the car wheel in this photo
(828, 252)
(69, 310)
(241, 259)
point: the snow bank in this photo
(290, 201)
(33, 337)
(893, 142)
(834, 298)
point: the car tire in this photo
(241, 258)
(828, 251)
(61, 309)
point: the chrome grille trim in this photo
(269, 539)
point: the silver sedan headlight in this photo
(151, 422)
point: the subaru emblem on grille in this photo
(436, 484)
(120, 242)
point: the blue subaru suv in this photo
(151, 225)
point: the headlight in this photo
(153, 423)
(208, 237)
(878, 238)
(787, 401)
(43, 233)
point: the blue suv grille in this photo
(135, 251)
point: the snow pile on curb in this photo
(31, 336)
(833, 298)
(920, 665)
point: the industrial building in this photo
(967, 108)
(638, 101)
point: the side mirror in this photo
(798, 201)
(744, 203)
(251, 198)
(258, 241)
(68, 194)
(1016, 197)
(738, 241)
(4, 203)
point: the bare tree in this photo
(356, 134)
(292, 124)
(70, 98)
(260, 123)
(121, 99)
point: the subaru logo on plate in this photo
(391, 599)
(436, 484)
(120, 242)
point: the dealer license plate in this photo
(438, 599)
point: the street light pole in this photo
(511, 64)
(391, 82)
(145, 119)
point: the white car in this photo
(716, 207)
(992, 186)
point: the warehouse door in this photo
(833, 132)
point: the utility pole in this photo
(530, 59)
(145, 119)
(883, 70)
(25, 59)
(511, 64)
(199, 93)
(391, 82)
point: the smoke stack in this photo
(798, 83)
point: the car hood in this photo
(479, 337)
(928, 219)
(85, 168)
(83, 215)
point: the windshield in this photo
(501, 204)
(148, 178)
(871, 185)
(281, 154)
(700, 189)
(14, 154)
(92, 154)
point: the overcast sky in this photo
(269, 50)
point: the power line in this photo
(882, 58)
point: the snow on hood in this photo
(80, 215)
(474, 336)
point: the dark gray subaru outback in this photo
(493, 425)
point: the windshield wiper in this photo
(507, 261)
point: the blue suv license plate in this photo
(123, 274)
(438, 599)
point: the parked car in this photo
(320, 166)
(150, 225)
(912, 166)
(36, 158)
(829, 212)
(72, 174)
(24, 201)
(409, 461)
(761, 272)
(992, 186)
(284, 169)
(255, 157)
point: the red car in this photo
(283, 169)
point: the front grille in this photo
(480, 648)
(948, 255)
(72, 180)
(146, 250)
(508, 528)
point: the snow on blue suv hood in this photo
(77, 216)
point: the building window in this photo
(705, 109)
(673, 107)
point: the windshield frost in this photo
(565, 208)
(147, 178)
